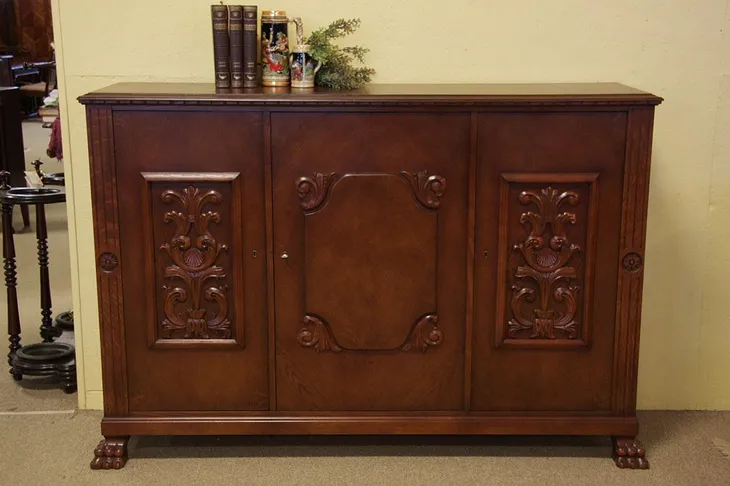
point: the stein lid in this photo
(302, 48)
(273, 14)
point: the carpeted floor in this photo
(44, 441)
(684, 448)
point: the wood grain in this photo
(635, 201)
(269, 255)
(419, 95)
(107, 240)
(333, 424)
(470, 261)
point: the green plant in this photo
(338, 71)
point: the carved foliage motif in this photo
(428, 189)
(424, 334)
(317, 334)
(546, 278)
(194, 257)
(313, 191)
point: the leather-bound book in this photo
(250, 46)
(235, 35)
(221, 49)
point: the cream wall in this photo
(675, 49)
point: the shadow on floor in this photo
(356, 446)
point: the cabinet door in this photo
(370, 259)
(190, 189)
(548, 216)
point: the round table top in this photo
(33, 195)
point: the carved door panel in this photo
(548, 210)
(370, 260)
(194, 293)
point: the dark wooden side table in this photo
(47, 358)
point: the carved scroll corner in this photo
(424, 334)
(316, 334)
(313, 191)
(108, 262)
(632, 262)
(427, 189)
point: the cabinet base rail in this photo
(112, 451)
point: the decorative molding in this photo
(194, 264)
(634, 204)
(317, 334)
(107, 240)
(632, 262)
(629, 453)
(372, 101)
(424, 334)
(546, 268)
(427, 190)
(108, 262)
(313, 191)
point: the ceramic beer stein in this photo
(274, 48)
(303, 67)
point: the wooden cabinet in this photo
(405, 259)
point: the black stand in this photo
(47, 358)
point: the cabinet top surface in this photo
(375, 94)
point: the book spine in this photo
(235, 34)
(250, 46)
(221, 49)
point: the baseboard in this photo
(94, 400)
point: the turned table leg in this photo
(111, 453)
(629, 453)
(25, 213)
(48, 332)
(10, 282)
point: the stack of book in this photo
(234, 45)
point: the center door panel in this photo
(370, 216)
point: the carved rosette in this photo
(632, 262)
(108, 262)
(313, 191)
(546, 279)
(317, 334)
(194, 252)
(427, 189)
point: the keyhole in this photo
(486, 254)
